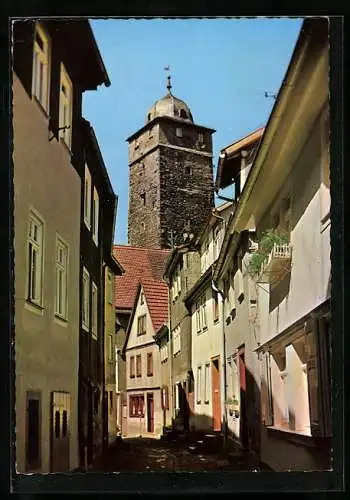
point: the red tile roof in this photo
(139, 264)
(156, 295)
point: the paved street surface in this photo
(174, 453)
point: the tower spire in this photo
(169, 84)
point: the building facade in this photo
(203, 302)
(139, 263)
(143, 376)
(50, 74)
(285, 207)
(170, 173)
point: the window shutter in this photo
(265, 388)
(23, 46)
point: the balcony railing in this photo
(277, 265)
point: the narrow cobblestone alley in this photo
(180, 454)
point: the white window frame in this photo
(61, 279)
(86, 300)
(41, 59)
(87, 197)
(95, 216)
(207, 383)
(198, 317)
(163, 353)
(94, 310)
(199, 385)
(65, 107)
(204, 320)
(35, 245)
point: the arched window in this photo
(149, 117)
(183, 113)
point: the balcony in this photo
(277, 265)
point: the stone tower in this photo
(170, 175)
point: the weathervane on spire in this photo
(167, 68)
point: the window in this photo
(41, 66)
(110, 348)
(142, 298)
(143, 198)
(188, 170)
(216, 242)
(136, 406)
(66, 101)
(177, 395)
(138, 365)
(199, 385)
(183, 113)
(200, 138)
(163, 353)
(141, 325)
(111, 402)
(149, 364)
(177, 340)
(110, 288)
(95, 214)
(132, 367)
(206, 383)
(215, 306)
(61, 279)
(165, 398)
(86, 300)
(198, 317)
(204, 312)
(178, 132)
(94, 310)
(87, 197)
(35, 259)
(288, 387)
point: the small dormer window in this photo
(179, 132)
(183, 113)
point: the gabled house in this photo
(54, 62)
(138, 263)
(284, 209)
(143, 376)
(205, 326)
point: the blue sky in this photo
(220, 67)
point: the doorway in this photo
(33, 431)
(215, 377)
(150, 412)
(60, 421)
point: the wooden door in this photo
(150, 413)
(60, 421)
(33, 431)
(215, 377)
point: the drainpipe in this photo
(223, 339)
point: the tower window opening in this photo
(188, 170)
(183, 113)
(143, 198)
(179, 132)
(143, 226)
(149, 117)
(200, 138)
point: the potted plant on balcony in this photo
(268, 240)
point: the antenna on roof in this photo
(270, 95)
